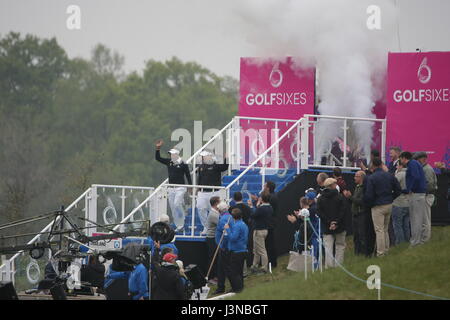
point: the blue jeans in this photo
(400, 220)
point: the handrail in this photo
(165, 182)
(170, 185)
(121, 187)
(342, 118)
(262, 155)
(49, 225)
(264, 119)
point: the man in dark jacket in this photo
(381, 190)
(167, 283)
(270, 240)
(261, 222)
(331, 210)
(394, 153)
(209, 174)
(363, 232)
(177, 171)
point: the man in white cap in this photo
(209, 174)
(177, 171)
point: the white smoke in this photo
(333, 36)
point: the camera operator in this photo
(167, 281)
(138, 279)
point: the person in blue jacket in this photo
(237, 245)
(138, 283)
(223, 257)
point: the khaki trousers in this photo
(381, 216)
(338, 240)
(259, 249)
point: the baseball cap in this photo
(419, 155)
(174, 151)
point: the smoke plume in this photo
(333, 36)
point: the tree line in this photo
(68, 123)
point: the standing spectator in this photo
(270, 240)
(341, 185)
(431, 179)
(237, 244)
(320, 179)
(370, 169)
(237, 197)
(442, 168)
(223, 259)
(381, 190)
(400, 209)
(394, 153)
(363, 231)
(212, 221)
(298, 219)
(261, 220)
(416, 188)
(331, 210)
(245, 209)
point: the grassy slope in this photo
(425, 268)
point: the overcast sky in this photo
(205, 31)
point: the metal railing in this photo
(344, 142)
(8, 270)
(232, 131)
(158, 191)
(261, 158)
(93, 205)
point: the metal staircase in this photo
(290, 149)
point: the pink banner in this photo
(275, 89)
(418, 103)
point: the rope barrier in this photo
(381, 283)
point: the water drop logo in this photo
(276, 76)
(424, 72)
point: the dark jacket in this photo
(381, 188)
(176, 171)
(357, 199)
(245, 209)
(331, 207)
(261, 217)
(392, 167)
(415, 178)
(167, 283)
(211, 174)
(274, 204)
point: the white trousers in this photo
(203, 205)
(176, 203)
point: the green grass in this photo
(424, 268)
